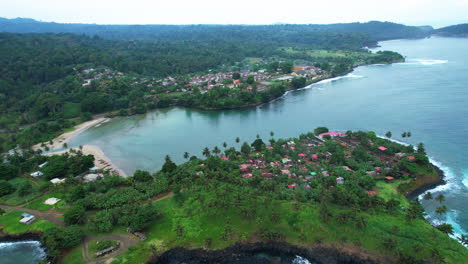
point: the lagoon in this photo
(427, 95)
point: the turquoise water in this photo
(427, 95)
(24, 252)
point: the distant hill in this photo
(460, 30)
(375, 30)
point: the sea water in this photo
(22, 252)
(427, 95)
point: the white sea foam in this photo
(465, 178)
(450, 178)
(15, 244)
(423, 62)
(448, 173)
(103, 122)
(300, 260)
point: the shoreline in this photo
(98, 157)
(240, 253)
(429, 186)
(87, 149)
(58, 142)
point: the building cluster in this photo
(98, 73)
(303, 163)
(203, 81)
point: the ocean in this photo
(426, 95)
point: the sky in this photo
(437, 13)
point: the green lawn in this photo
(10, 224)
(75, 256)
(299, 225)
(389, 191)
(99, 245)
(14, 199)
(38, 204)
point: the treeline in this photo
(40, 74)
(373, 31)
(460, 30)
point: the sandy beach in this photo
(100, 159)
(65, 137)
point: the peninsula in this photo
(320, 192)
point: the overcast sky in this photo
(437, 13)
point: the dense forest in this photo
(41, 78)
(374, 31)
(460, 30)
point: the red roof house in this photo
(247, 175)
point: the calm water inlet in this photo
(426, 95)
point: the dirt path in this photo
(159, 198)
(49, 215)
(126, 241)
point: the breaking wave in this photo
(15, 244)
(450, 185)
(34, 247)
(423, 62)
(300, 260)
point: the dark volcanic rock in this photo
(249, 253)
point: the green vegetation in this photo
(10, 223)
(299, 190)
(74, 256)
(460, 30)
(53, 81)
(57, 239)
(39, 204)
(99, 245)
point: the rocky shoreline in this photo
(282, 252)
(426, 187)
(32, 236)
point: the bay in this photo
(427, 95)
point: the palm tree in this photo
(206, 152)
(440, 198)
(237, 139)
(463, 239)
(224, 145)
(441, 210)
(427, 196)
(186, 155)
(216, 150)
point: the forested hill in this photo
(374, 30)
(460, 30)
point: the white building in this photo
(37, 174)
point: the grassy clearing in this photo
(38, 204)
(99, 245)
(389, 191)
(297, 224)
(14, 199)
(71, 110)
(75, 256)
(10, 223)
